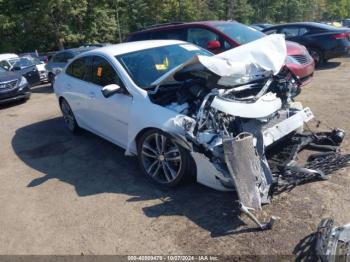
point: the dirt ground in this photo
(66, 194)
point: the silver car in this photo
(60, 60)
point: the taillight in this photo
(341, 36)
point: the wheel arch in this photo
(177, 138)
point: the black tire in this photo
(68, 117)
(318, 56)
(171, 166)
(51, 79)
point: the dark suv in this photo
(219, 36)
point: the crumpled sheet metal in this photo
(332, 242)
(234, 66)
(268, 53)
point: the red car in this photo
(219, 36)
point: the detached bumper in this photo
(287, 126)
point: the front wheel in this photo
(162, 159)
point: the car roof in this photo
(157, 27)
(129, 47)
(7, 56)
(312, 24)
(76, 50)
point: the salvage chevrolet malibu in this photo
(183, 110)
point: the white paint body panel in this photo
(287, 126)
(263, 107)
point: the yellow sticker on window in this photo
(99, 71)
(164, 66)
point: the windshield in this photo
(23, 62)
(35, 60)
(146, 66)
(240, 33)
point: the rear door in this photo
(295, 33)
(78, 75)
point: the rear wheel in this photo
(318, 56)
(162, 159)
(51, 78)
(69, 117)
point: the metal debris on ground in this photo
(332, 242)
(318, 166)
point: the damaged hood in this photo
(241, 64)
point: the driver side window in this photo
(104, 74)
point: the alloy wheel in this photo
(68, 116)
(161, 158)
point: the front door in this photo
(107, 116)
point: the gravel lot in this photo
(66, 194)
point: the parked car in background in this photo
(13, 86)
(60, 59)
(219, 36)
(323, 41)
(346, 22)
(25, 67)
(260, 26)
(7, 60)
(40, 65)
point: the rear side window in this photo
(80, 68)
(271, 31)
(63, 57)
(294, 31)
(201, 37)
(58, 58)
(175, 34)
(5, 64)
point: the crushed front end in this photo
(233, 113)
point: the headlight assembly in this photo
(23, 82)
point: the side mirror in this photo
(110, 90)
(214, 44)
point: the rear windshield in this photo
(242, 34)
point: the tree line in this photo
(46, 25)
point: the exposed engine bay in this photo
(232, 109)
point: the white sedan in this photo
(184, 111)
